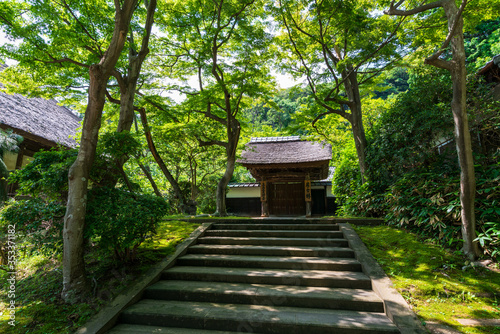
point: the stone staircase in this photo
(277, 277)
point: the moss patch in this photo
(437, 283)
(39, 308)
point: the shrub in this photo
(46, 175)
(120, 221)
(430, 204)
(37, 221)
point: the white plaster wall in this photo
(329, 191)
(245, 192)
(10, 159)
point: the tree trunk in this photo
(75, 284)
(462, 134)
(351, 86)
(184, 206)
(146, 172)
(233, 139)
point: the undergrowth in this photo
(39, 307)
(435, 281)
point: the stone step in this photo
(294, 227)
(275, 262)
(315, 242)
(276, 233)
(326, 278)
(262, 294)
(144, 329)
(342, 252)
(254, 318)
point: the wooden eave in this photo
(316, 170)
(32, 142)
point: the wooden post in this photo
(263, 199)
(307, 185)
(20, 155)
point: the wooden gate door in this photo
(287, 199)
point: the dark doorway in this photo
(287, 199)
(318, 201)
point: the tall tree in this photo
(128, 80)
(454, 43)
(74, 279)
(223, 43)
(68, 47)
(338, 46)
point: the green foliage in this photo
(409, 183)
(116, 219)
(120, 221)
(39, 307)
(347, 177)
(405, 136)
(37, 221)
(395, 82)
(433, 280)
(482, 43)
(118, 144)
(46, 175)
(488, 206)
(428, 202)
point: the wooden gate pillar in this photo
(263, 199)
(307, 185)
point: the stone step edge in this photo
(256, 227)
(212, 315)
(335, 278)
(145, 329)
(261, 294)
(276, 262)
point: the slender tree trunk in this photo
(183, 205)
(233, 139)
(462, 134)
(128, 86)
(146, 172)
(75, 284)
(351, 86)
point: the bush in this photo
(430, 204)
(37, 221)
(120, 221)
(46, 175)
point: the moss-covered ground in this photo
(39, 308)
(439, 285)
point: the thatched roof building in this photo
(42, 124)
(285, 168)
(37, 119)
(266, 156)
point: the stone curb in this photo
(107, 317)
(396, 307)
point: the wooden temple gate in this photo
(284, 167)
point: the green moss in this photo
(433, 280)
(39, 284)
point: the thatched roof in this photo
(38, 117)
(284, 150)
